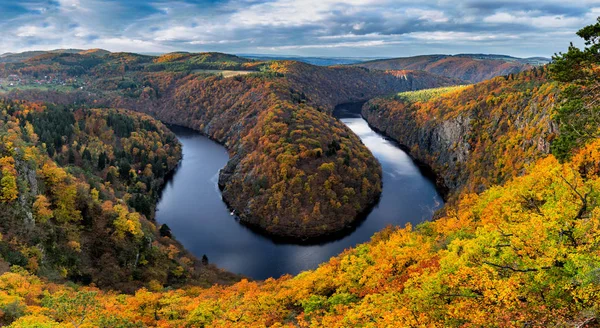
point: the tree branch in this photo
(506, 267)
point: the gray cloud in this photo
(305, 27)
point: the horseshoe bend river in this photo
(192, 207)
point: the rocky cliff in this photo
(475, 136)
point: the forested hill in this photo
(328, 87)
(77, 195)
(19, 57)
(474, 136)
(87, 65)
(294, 171)
(467, 67)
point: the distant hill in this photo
(201, 57)
(319, 61)
(530, 60)
(467, 67)
(183, 56)
(95, 52)
(102, 63)
(10, 57)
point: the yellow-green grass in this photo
(44, 87)
(427, 94)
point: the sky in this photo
(344, 28)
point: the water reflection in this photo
(395, 163)
(191, 205)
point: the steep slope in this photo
(294, 172)
(471, 68)
(77, 195)
(473, 136)
(331, 86)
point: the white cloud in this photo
(435, 16)
(358, 26)
(127, 44)
(29, 31)
(529, 18)
(295, 12)
(355, 36)
(459, 36)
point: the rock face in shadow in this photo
(477, 136)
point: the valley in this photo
(191, 206)
(294, 171)
(211, 190)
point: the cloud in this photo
(442, 36)
(352, 45)
(526, 18)
(434, 16)
(305, 27)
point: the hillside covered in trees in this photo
(473, 136)
(294, 170)
(19, 57)
(466, 67)
(78, 190)
(100, 63)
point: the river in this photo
(192, 207)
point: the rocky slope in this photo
(475, 136)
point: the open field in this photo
(42, 87)
(427, 94)
(225, 73)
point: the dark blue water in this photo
(192, 207)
